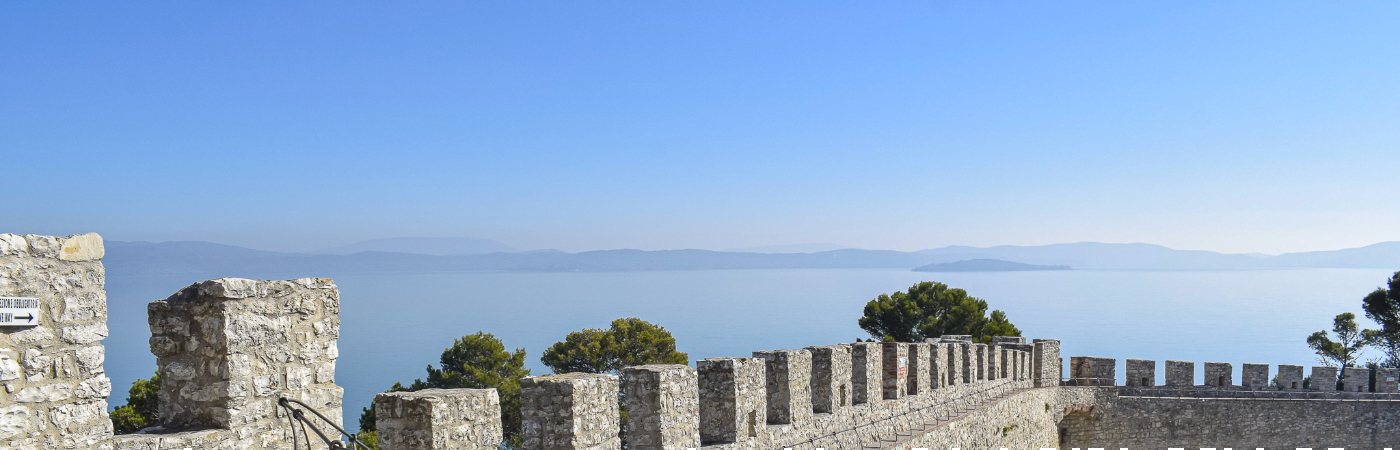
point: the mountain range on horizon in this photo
(226, 260)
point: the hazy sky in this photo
(1241, 127)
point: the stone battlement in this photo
(230, 349)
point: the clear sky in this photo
(1230, 126)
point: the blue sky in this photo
(1242, 127)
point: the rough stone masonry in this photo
(55, 391)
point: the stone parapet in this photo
(1324, 378)
(1356, 379)
(733, 394)
(228, 349)
(1219, 374)
(1046, 368)
(831, 377)
(1254, 376)
(438, 419)
(788, 385)
(1140, 372)
(1290, 377)
(55, 386)
(866, 379)
(575, 411)
(1092, 371)
(1181, 373)
(663, 407)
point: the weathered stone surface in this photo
(54, 395)
(229, 348)
(1254, 376)
(1324, 378)
(919, 362)
(1290, 377)
(831, 378)
(663, 403)
(788, 384)
(1219, 374)
(1091, 371)
(866, 379)
(439, 419)
(894, 369)
(575, 411)
(1045, 368)
(1141, 372)
(732, 399)
(1386, 378)
(1112, 421)
(1356, 379)
(1181, 373)
(82, 247)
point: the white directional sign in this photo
(19, 311)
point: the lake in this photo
(394, 325)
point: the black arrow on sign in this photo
(26, 316)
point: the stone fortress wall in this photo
(229, 348)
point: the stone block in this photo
(955, 368)
(1092, 371)
(439, 419)
(788, 375)
(1324, 379)
(831, 377)
(866, 379)
(1181, 373)
(1254, 377)
(1219, 374)
(1386, 378)
(939, 366)
(998, 340)
(894, 369)
(1045, 365)
(1356, 379)
(918, 382)
(663, 404)
(229, 348)
(732, 399)
(993, 362)
(1140, 372)
(573, 411)
(1290, 377)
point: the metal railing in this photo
(297, 416)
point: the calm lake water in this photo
(394, 325)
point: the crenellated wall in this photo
(794, 399)
(228, 348)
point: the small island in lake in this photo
(985, 265)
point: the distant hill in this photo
(423, 246)
(790, 248)
(136, 258)
(125, 258)
(1095, 255)
(1382, 255)
(985, 265)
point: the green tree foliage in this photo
(478, 361)
(930, 310)
(142, 407)
(628, 342)
(1344, 351)
(1383, 306)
